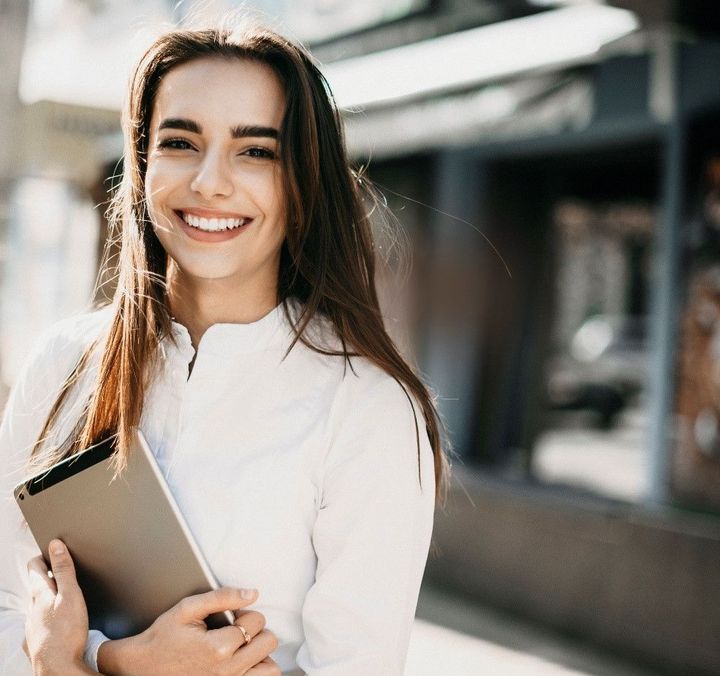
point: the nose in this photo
(213, 178)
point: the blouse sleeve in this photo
(24, 415)
(371, 536)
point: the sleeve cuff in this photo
(94, 641)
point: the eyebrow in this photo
(243, 130)
(240, 131)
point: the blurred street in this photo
(611, 462)
(455, 637)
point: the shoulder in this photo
(367, 386)
(378, 439)
(375, 425)
(361, 388)
(78, 329)
(54, 355)
(58, 348)
(373, 409)
(68, 338)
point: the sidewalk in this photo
(454, 637)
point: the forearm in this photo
(120, 657)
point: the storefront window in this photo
(594, 432)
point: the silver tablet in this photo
(132, 548)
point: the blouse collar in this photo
(270, 331)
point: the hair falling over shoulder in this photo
(327, 260)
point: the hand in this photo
(179, 642)
(57, 623)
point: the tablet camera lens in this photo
(22, 496)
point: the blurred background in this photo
(555, 169)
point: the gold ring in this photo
(245, 634)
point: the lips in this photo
(213, 221)
(212, 226)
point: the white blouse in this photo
(298, 477)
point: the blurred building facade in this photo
(575, 352)
(555, 167)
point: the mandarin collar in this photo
(271, 330)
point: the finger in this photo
(252, 621)
(63, 567)
(39, 581)
(226, 641)
(199, 606)
(256, 651)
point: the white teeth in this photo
(213, 224)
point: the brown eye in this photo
(175, 144)
(262, 153)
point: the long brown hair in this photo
(327, 260)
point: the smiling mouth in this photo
(213, 224)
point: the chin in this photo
(209, 273)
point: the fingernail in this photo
(248, 593)
(57, 547)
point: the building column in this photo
(450, 343)
(665, 303)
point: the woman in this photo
(246, 341)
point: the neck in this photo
(199, 303)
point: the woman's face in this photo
(214, 184)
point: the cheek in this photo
(261, 187)
(159, 183)
(153, 190)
